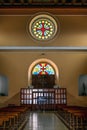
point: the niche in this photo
(3, 85)
(83, 85)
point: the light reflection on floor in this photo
(44, 121)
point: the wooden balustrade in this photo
(44, 99)
(12, 3)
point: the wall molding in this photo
(46, 48)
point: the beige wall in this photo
(14, 32)
(72, 31)
(70, 64)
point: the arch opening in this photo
(43, 71)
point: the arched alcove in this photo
(39, 61)
(40, 98)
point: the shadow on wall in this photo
(3, 85)
(83, 85)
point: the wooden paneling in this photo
(33, 10)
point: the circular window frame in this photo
(44, 17)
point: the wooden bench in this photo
(74, 117)
(11, 117)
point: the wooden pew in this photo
(13, 115)
(75, 117)
(3, 122)
(78, 119)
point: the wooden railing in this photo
(27, 3)
(43, 98)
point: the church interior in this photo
(43, 58)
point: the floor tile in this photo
(44, 121)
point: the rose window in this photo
(43, 27)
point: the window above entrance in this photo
(43, 27)
(43, 69)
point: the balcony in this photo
(47, 3)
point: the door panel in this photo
(43, 81)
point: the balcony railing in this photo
(28, 3)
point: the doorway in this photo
(43, 81)
(42, 72)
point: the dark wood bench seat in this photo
(12, 117)
(74, 116)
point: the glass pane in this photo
(21, 96)
(25, 96)
(27, 91)
(58, 101)
(21, 101)
(64, 101)
(35, 90)
(24, 90)
(43, 68)
(61, 95)
(24, 101)
(34, 101)
(31, 91)
(28, 96)
(41, 90)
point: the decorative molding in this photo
(39, 48)
(12, 3)
(52, 10)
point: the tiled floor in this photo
(44, 121)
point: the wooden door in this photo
(43, 81)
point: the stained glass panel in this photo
(43, 68)
(43, 27)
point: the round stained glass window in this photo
(43, 27)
